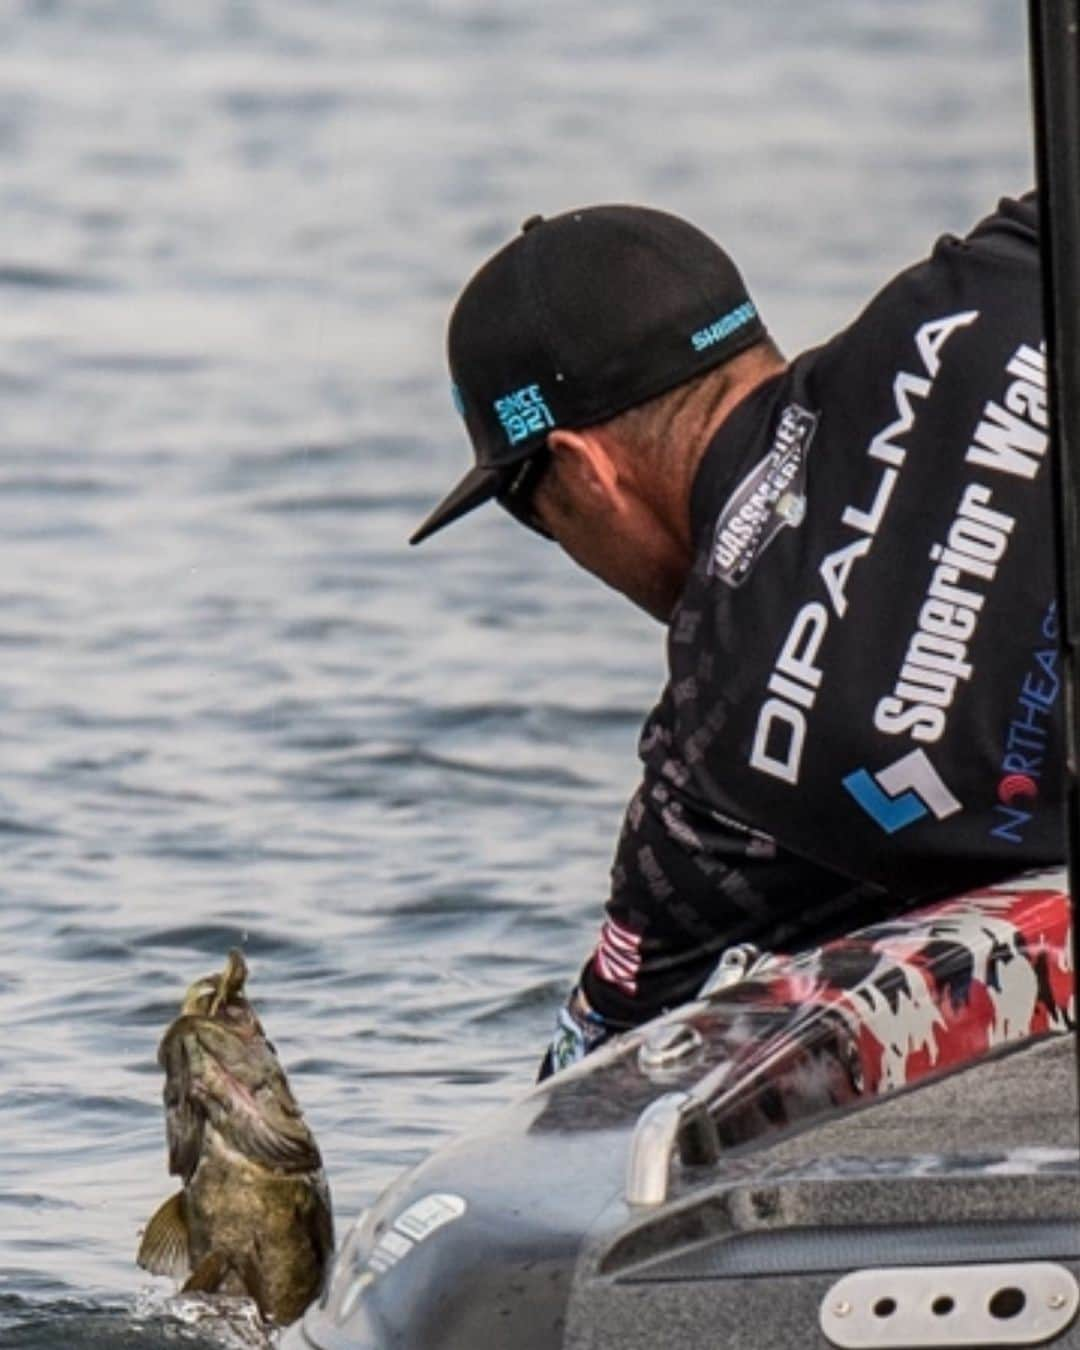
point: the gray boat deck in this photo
(1023, 1100)
(978, 1167)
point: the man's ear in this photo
(585, 462)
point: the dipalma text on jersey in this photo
(796, 678)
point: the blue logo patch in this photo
(902, 793)
(523, 412)
(727, 324)
(459, 402)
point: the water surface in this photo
(236, 708)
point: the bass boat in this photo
(870, 1144)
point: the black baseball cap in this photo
(578, 318)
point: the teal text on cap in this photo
(723, 327)
(523, 412)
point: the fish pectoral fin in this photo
(276, 1137)
(208, 1275)
(164, 1246)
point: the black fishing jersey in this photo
(864, 701)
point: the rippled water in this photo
(236, 708)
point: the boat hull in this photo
(901, 1099)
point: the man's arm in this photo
(687, 884)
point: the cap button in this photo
(531, 223)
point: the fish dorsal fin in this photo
(164, 1247)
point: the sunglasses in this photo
(517, 496)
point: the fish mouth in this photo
(230, 981)
(216, 994)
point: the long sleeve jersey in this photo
(863, 706)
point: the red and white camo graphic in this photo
(894, 1003)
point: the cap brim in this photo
(479, 485)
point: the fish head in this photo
(215, 1001)
(223, 1079)
(213, 994)
(216, 1025)
(213, 1032)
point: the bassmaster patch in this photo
(771, 496)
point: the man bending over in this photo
(851, 552)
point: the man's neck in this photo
(747, 371)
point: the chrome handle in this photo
(652, 1146)
(677, 1120)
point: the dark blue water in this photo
(235, 707)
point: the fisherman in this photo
(851, 552)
